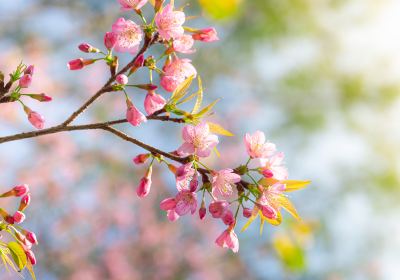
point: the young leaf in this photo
(30, 269)
(181, 90)
(218, 129)
(18, 254)
(294, 185)
(206, 109)
(199, 100)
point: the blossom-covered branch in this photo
(257, 187)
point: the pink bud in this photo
(76, 64)
(31, 237)
(31, 257)
(25, 201)
(122, 79)
(267, 173)
(218, 208)
(18, 217)
(139, 61)
(153, 102)
(29, 70)
(268, 211)
(140, 159)
(202, 213)
(110, 40)
(36, 119)
(25, 81)
(10, 220)
(133, 115)
(42, 97)
(87, 48)
(206, 35)
(228, 218)
(145, 184)
(172, 215)
(21, 190)
(247, 212)
(168, 204)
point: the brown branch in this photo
(147, 43)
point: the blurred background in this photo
(320, 78)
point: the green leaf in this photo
(181, 90)
(218, 129)
(30, 269)
(199, 100)
(205, 109)
(18, 254)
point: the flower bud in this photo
(122, 79)
(87, 48)
(29, 70)
(31, 237)
(228, 218)
(21, 190)
(18, 217)
(202, 211)
(145, 184)
(141, 158)
(36, 119)
(247, 212)
(153, 102)
(110, 40)
(217, 208)
(268, 211)
(79, 63)
(42, 97)
(139, 62)
(133, 115)
(31, 257)
(25, 81)
(25, 201)
(206, 35)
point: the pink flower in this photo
(145, 184)
(21, 190)
(141, 158)
(169, 23)
(256, 146)
(172, 215)
(25, 81)
(273, 167)
(186, 201)
(133, 115)
(218, 208)
(183, 44)
(129, 35)
(206, 35)
(18, 217)
(132, 4)
(176, 72)
(269, 203)
(223, 182)
(31, 237)
(198, 140)
(122, 79)
(153, 102)
(184, 175)
(228, 239)
(36, 119)
(31, 257)
(110, 40)
(168, 204)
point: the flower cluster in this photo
(17, 253)
(11, 91)
(257, 186)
